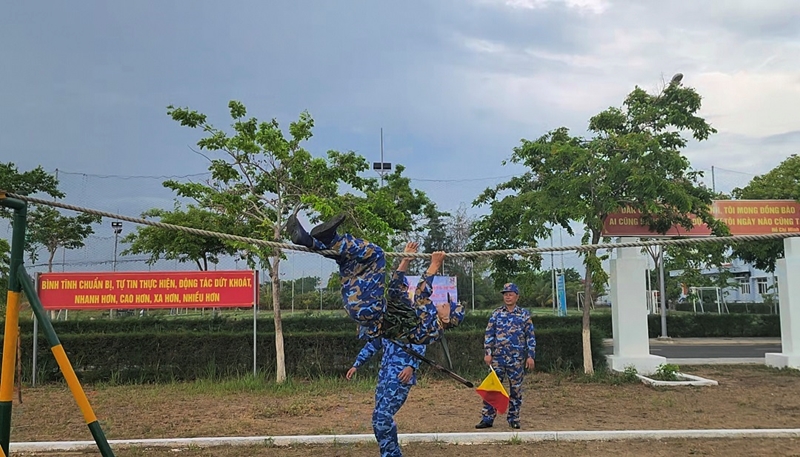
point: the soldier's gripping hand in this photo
(405, 375)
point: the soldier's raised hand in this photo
(437, 258)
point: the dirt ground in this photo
(747, 397)
(666, 448)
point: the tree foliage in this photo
(782, 182)
(633, 159)
(50, 230)
(47, 228)
(28, 182)
(536, 287)
(166, 244)
(385, 214)
(689, 262)
(260, 176)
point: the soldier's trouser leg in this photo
(515, 376)
(362, 268)
(390, 395)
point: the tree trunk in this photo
(588, 363)
(280, 363)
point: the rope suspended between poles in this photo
(418, 255)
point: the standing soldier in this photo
(395, 378)
(509, 347)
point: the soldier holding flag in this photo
(510, 348)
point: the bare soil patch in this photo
(661, 448)
(747, 397)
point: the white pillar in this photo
(788, 270)
(629, 314)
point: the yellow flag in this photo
(493, 392)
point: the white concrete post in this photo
(629, 313)
(788, 270)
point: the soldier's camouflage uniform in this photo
(390, 393)
(362, 269)
(510, 339)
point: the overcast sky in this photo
(454, 84)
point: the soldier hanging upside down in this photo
(362, 268)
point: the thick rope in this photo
(420, 255)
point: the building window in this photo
(744, 286)
(763, 287)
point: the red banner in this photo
(743, 217)
(148, 290)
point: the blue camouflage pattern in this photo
(390, 393)
(362, 270)
(510, 338)
(515, 375)
(428, 328)
(510, 287)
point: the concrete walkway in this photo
(453, 438)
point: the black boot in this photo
(326, 231)
(298, 234)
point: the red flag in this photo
(493, 392)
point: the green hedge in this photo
(734, 308)
(678, 325)
(717, 325)
(173, 356)
(294, 324)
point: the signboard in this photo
(743, 217)
(148, 290)
(442, 285)
(561, 287)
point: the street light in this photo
(117, 226)
(382, 168)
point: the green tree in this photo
(27, 183)
(436, 238)
(260, 177)
(50, 230)
(23, 183)
(633, 159)
(387, 214)
(689, 263)
(780, 183)
(167, 244)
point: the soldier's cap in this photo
(510, 287)
(456, 312)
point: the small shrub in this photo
(666, 372)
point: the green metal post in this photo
(65, 365)
(12, 317)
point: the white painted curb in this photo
(687, 380)
(453, 438)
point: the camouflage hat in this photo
(510, 287)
